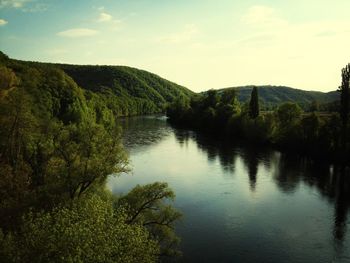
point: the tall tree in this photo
(344, 100)
(254, 103)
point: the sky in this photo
(200, 44)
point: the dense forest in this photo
(58, 144)
(322, 135)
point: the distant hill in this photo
(274, 95)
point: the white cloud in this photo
(105, 17)
(263, 16)
(189, 33)
(24, 5)
(3, 22)
(77, 32)
(13, 3)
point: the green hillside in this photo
(275, 95)
(124, 90)
(129, 91)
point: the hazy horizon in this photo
(198, 44)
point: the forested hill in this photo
(124, 90)
(275, 95)
(135, 91)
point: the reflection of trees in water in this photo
(253, 157)
(288, 172)
(215, 149)
(341, 192)
(333, 184)
(251, 161)
(182, 136)
(143, 130)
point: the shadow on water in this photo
(333, 183)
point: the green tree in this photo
(288, 113)
(84, 154)
(146, 205)
(254, 103)
(88, 230)
(345, 102)
(8, 80)
(288, 132)
(314, 106)
(228, 96)
(211, 99)
(310, 129)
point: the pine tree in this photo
(254, 103)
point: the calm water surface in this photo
(241, 204)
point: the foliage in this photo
(127, 91)
(58, 144)
(345, 106)
(345, 95)
(88, 230)
(288, 114)
(8, 80)
(254, 103)
(145, 205)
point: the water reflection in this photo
(251, 161)
(333, 183)
(143, 131)
(214, 148)
(243, 204)
(341, 190)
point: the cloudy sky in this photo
(200, 44)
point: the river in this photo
(241, 204)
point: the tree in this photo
(287, 114)
(314, 106)
(88, 230)
(228, 96)
(8, 80)
(344, 101)
(145, 205)
(288, 130)
(211, 99)
(84, 154)
(254, 103)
